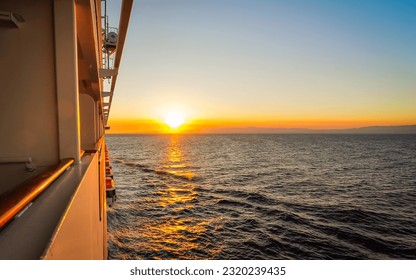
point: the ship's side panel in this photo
(89, 116)
(80, 234)
(66, 57)
(103, 202)
(28, 122)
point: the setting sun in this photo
(174, 120)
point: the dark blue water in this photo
(263, 197)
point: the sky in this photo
(221, 64)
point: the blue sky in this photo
(270, 61)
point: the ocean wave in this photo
(263, 197)
(179, 174)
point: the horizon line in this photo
(375, 129)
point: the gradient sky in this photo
(265, 63)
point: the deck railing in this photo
(26, 160)
(14, 201)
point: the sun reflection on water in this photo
(174, 152)
(175, 162)
(178, 197)
(176, 231)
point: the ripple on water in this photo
(263, 197)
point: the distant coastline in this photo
(402, 129)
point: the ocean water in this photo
(263, 197)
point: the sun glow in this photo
(174, 120)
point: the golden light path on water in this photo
(175, 232)
(175, 161)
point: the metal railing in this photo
(26, 160)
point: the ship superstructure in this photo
(57, 86)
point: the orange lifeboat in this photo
(110, 191)
(108, 172)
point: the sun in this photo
(174, 119)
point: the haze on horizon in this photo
(267, 64)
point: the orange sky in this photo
(242, 126)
